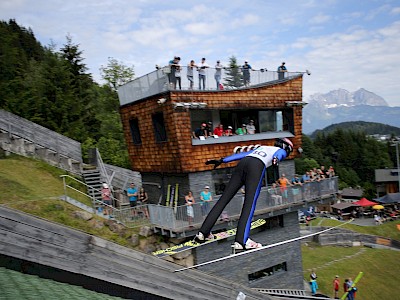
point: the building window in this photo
(282, 267)
(159, 127)
(135, 133)
(274, 222)
(271, 120)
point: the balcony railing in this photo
(176, 219)
(160, 81)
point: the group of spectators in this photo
(136, 198)
(279, 191)
(205, 199)
(317, 174)
(174, 73)
(205, 130)
(348, 286)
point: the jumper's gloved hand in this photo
(215, 162)
(275, 161)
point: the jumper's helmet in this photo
(285, 144)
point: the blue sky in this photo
(344, 43)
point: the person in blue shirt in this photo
(132, 194)
(249, 172)
(205, 199)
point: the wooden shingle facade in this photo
(178, 152)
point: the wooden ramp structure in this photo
(23, 137)
(76, 254)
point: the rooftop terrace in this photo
(160, 81)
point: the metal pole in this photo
(398, 164)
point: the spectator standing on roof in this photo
(218, 74)
(246, 73)
(173, 64)
(189, 73)
(202, 73)
(281, 71)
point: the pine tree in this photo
(234, 76)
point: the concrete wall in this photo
(238, 269)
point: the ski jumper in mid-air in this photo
(249, 172)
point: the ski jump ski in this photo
(192, 244)
(262, 248)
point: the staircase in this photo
(93, 179)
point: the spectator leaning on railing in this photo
(241, 130)
(228, 132)
(218, 74)
(250, 128)
(219, 131)
(202, 72)
(189, 73)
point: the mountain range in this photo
(340, 105)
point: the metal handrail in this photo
(160, 81)
(128, 216)
(89, 188)
(103, 171)
(176, 218)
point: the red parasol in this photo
(365, 202)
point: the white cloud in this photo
(395, 11)
(320, 19)
(245, 20)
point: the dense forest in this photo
(51, 87)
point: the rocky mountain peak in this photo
(364, 97)
(342, 97)
(340, 105)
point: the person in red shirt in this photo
(219, 130)
(336, 284)
(229, 132)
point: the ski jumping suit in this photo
(249, 172)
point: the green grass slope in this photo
(34, 187)
(380, 267)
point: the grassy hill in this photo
(34, 187)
